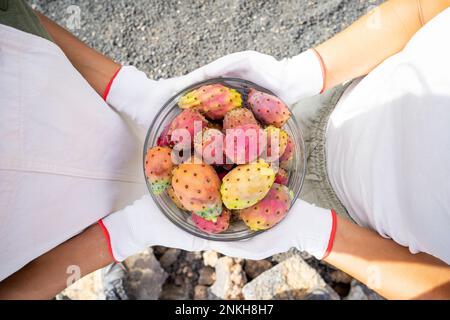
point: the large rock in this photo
(358, 291)
(230, 278)
(145, 276)
(291, 279)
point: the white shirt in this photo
(388, 144)
(66, 158)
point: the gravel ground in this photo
(170, 38)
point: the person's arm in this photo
(373, 38)
(96, 68)
(387, 267)
(47, 275)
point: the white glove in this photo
(291, 78)
(132, 93)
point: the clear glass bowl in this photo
(237, 230)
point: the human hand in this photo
(132, 93)
(140, 225)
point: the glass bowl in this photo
(237, 230)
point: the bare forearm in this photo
(387, 267)
(96, 68)
(47, 275)
(375, 37)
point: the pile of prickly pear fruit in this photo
(225, 158)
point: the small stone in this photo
(192, 256)
(340, 276)
(254, 268)
(358, 291)
(90, 287)
(200, 292)
(291, 279)
(210, 258)
(230, 278)
(169, 257)
(206, 276)
(159, 250)
(171, 291)
(145, 276)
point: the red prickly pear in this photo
(220, 225)
(268, 109)
(270, 210)
(244, 144)
(213, 100)
(185, 126)
(158, 168)
(209, 146)
(246, 184)
(282, 177)
(197, 186)
(238, 117)
(164, 139)
(288, 155)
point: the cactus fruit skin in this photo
(244, 144)
(268, 109)
(209, 146)
(164, 139)
(282, 177)
(174, 198)
(222, 223)
(288, 155)
(158, 168)
(187, 120)
(247, 184)
(213, 100)
(238, 117)
(270, 210)
(274, 135)
(197, 186)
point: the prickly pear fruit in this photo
(288, 155)
(197, 186)
(282, 177)
(246, 184)
(164, 139)
(244, 144)
(222, 223)
(209, 146)
(213, 100)
(184, 127)
(277, 140)
(270, 210)
(238, 117)
(158, 168)
(268, 109)
(174, 198)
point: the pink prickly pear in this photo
(288, 155)
(209, 146)
(244, 144)
(268, 109)
(246, 184)
(197, 186)
(158, 168)
(270, 210)
(277, 140)
(238, 117)
(282, 177)
(220, 225)
(213, 100)
(184, 126)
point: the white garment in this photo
(388, 144)
(66, 158)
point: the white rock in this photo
(291, 279)
(230, 278)
(210, 258)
